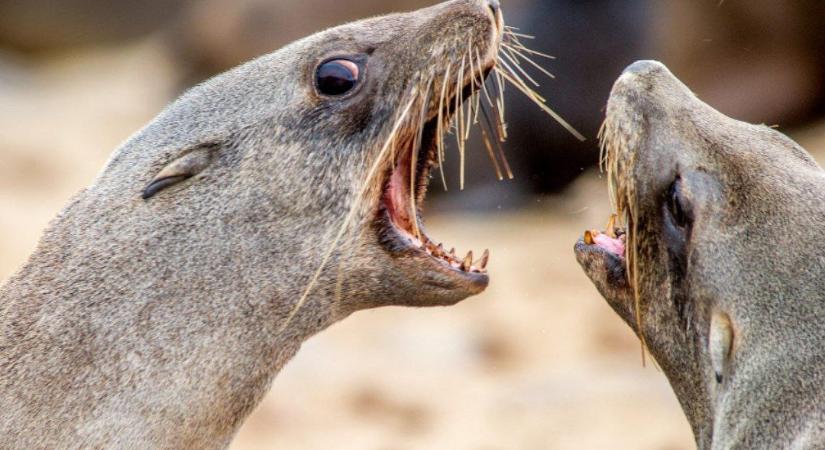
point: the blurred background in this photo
(536, 362)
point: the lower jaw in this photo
(399, 242)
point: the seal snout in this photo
(644, 67)
(494, 5)
(600, 251)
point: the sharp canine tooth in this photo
(588, 237)
(468, 260)
(484, 258)
(611, 226)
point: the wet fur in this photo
(160, 323)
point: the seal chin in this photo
(603, 257)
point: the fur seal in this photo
(254, 211)
(718, 270)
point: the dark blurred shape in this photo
(756, 60)
(48, 25)
(592, 41)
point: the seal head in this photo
(257, 209)
(717, 269)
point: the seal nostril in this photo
(494, 6)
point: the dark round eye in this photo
(675, 204)
(337, 77)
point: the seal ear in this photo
(720, 343)
(190, 164)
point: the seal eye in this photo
(675, 204)
(337, 77)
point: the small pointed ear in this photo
(720, 343)
(186, 166)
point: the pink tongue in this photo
(615, 246)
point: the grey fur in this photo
(753, 254)
(156, 323)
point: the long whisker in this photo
(474, 89)
(533, 63)
(499, 83)
(483, 81)
(379, 161)
(490, 153)
(440, 126)
(487, 144)
(521, 35)
(414, 160)
(459, 98)
(477, 84)
(521, 47)
(470, 101)
(540, 102)
(517, 66)
(507, 71)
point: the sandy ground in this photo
(536, 362)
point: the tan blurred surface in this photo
(538, 361)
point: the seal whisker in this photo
(440, 124)
(501, 153)
(539, 101)
(487, 144)
(425, 99)
(516, 64)
(520, 46)
(514, 77)
(480, 74)
(386, 150)
(459, 100)
(515, 52)
(621, 192)
(472, 111)
(499, 83)
(522, 35)
(494, 101)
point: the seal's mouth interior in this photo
(612, 240)
(401, 228)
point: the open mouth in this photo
(612, 241)
(610, 246)
(400, 226)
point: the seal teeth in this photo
(484, 259)
(466, 264)
(610, 229)
(468, 261)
